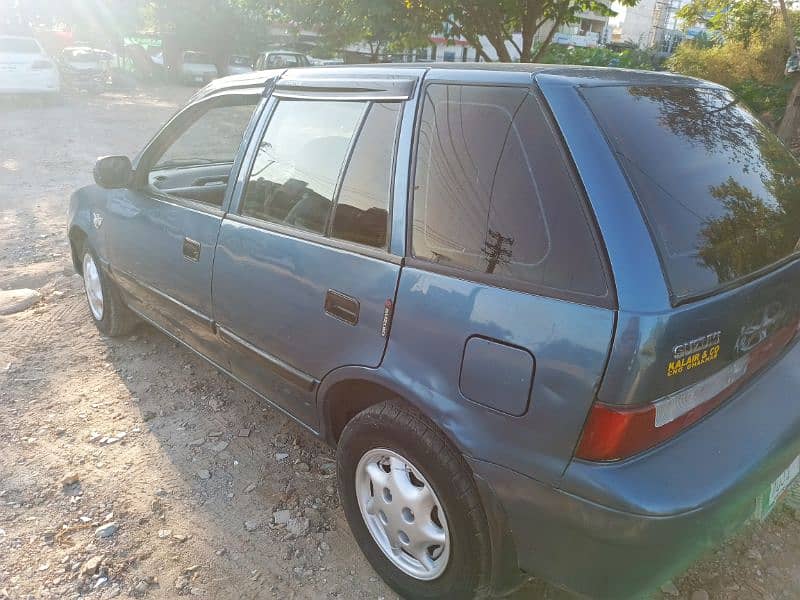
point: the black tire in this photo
(117, 319)
(393, 426)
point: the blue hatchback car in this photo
(547, 315)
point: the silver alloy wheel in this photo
(93, 286)
(403, 514)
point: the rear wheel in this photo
(106, 306)
(412, 504)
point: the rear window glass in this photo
(19, 46)
(717, 188)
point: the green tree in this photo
(742, 21)
(498, 20)
(398, 24)
(385, 25)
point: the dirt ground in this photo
(182, 468)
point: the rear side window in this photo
(718, 190)
(298, 162)
(326, 167)
(494, 195)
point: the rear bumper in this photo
(30, 82)
(621, 529)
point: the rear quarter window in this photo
(493, 194)
(718, 190)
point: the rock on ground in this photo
(14, 301)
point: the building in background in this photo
(636, 26)
(590, 31)
(651, 24)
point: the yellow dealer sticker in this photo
(692, 361)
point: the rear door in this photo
(303, 275)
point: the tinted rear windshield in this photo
(19, 46)
(717, 188)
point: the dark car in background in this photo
(85, 68)
(547, 315)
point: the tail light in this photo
(615, 432)
(41, 65)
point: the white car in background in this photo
(197, 68)
(26, 68)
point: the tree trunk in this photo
(498, 42)
(529, 29)
(543, 48)
(788, 124)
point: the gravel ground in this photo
(130, 467)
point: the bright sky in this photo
(621, 10)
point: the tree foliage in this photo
(741, 21)
(753, 70)
(395, 24)
(599, 57)
(385, 25)
(498, 20)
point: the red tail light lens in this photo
(613, 433)
(616, 432)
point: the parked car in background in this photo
(540, 337)
(25, 68)
(280, 59)
(85, 68)
(325, 62)
(238, 64)
(197, 68)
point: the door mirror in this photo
(113, 171)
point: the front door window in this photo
(195, 154)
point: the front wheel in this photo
(412, 504)
(106, 306)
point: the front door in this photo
(303, 276)
(163, 229)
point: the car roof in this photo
(577, 76)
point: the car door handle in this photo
(191, 249)
(341, 306)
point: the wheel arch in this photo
(77, 239)
(347, 391)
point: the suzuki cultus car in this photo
(547, 315)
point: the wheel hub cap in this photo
(403, 514)
(93, 287)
